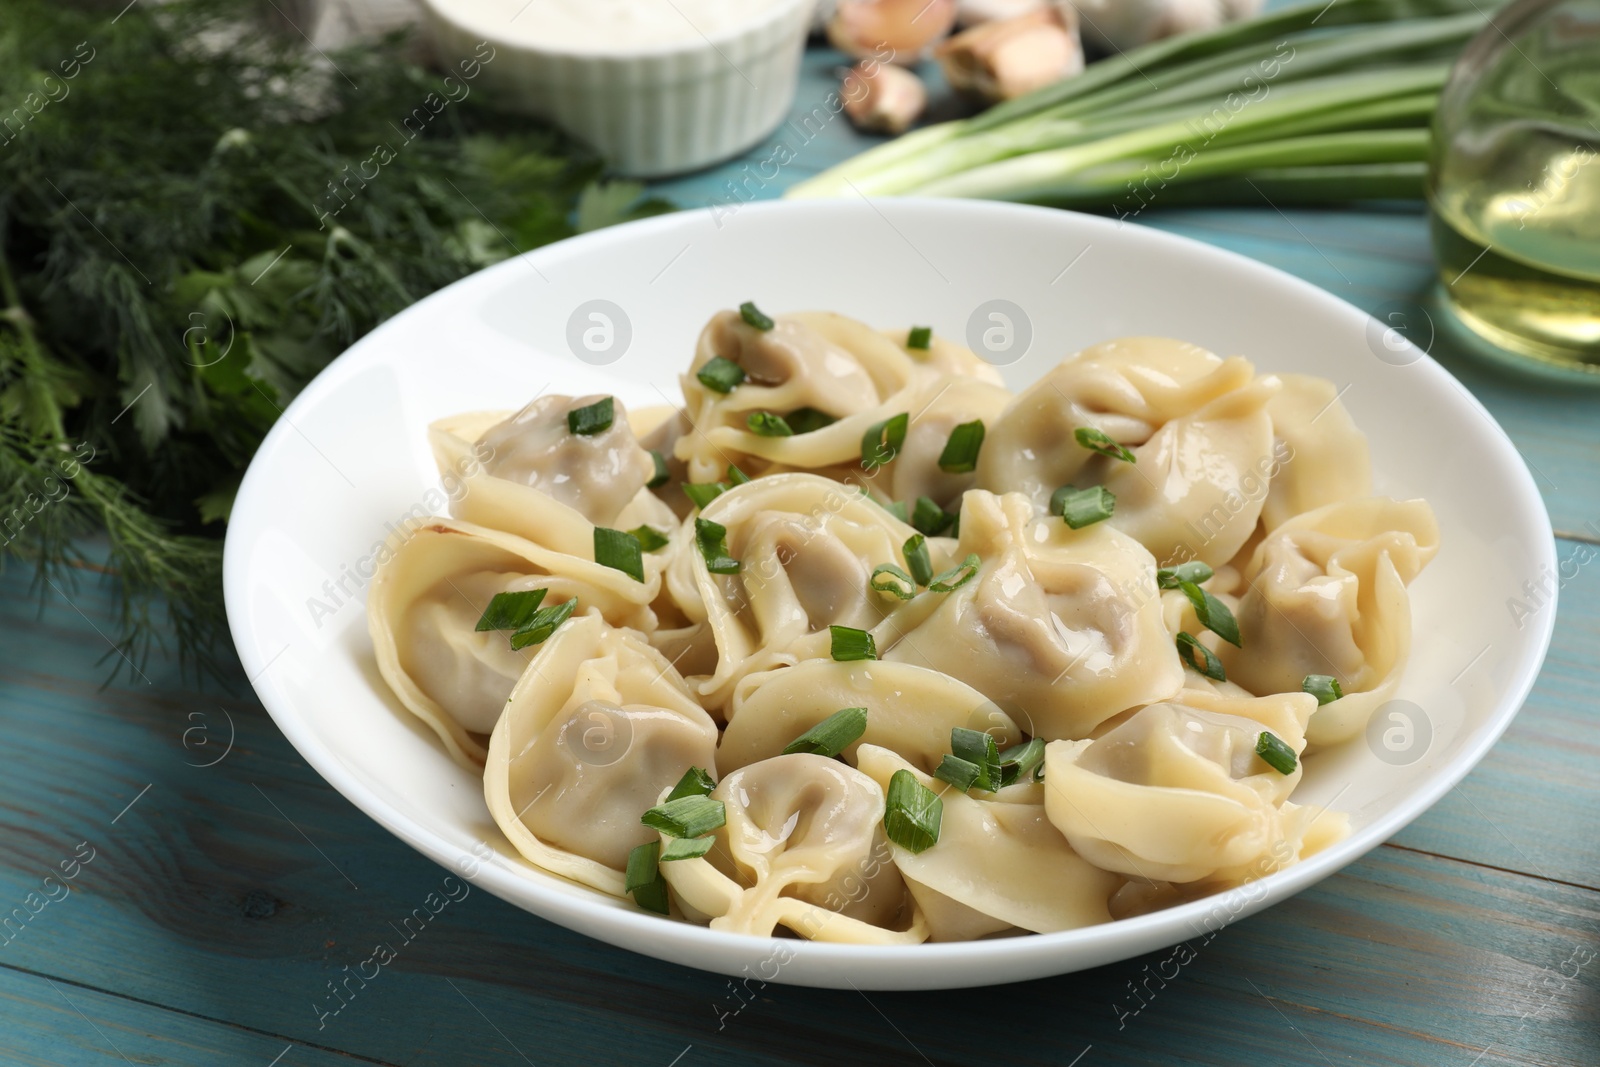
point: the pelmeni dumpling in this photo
(541, 481)
(997, 865)
(909, 709)
(803, 848)
(425, 602)
(807, 547)
(597, 728)
(1175, 794)
(941, 405)
(1323, 458)
(1127, 389)
(1062, 628)
(1327, 595)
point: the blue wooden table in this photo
(178, 887)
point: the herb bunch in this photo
(190, 229)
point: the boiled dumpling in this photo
(423, 608)
(803, 848)
(598, 727)
(1323, 457)
(940, 406)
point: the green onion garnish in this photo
(1192, 571)
(1024, 761)
(766, 424)
(963, 774)
(694, 783)
(736, 476)
(809, 420)
(1213, 614)
(1210, 665)
(686, 817)
(916, 552)
(1058, 499)
(978, 749)
(849, 644)
(643, 878)
(713, 540)
(956, 577)
(753, 317)
(619, 550)
(662, 475)
(930, 518)
(883, 441)
(510, 611)
(596, 418)
(687, 848)
(720, 375)
(702, 493)
(912, 813)
(545, 621)
(960, 455)
(887, 578)
(650, 539)
(1085, 507)
(919, 337)
(1097, 441)
(1324, 687)
(1275, 753)
(897, 508)
(832, 735)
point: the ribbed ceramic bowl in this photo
(650, 111)
(350, 456)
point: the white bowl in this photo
(350, 455)
(652, 110)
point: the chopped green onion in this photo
(832, 735)
(1085, 507)
(713, 540)
(619, 550)
(702, 493)
(960, 455)
(545, 622)
(1210, 665)
(643, 878)
(766, 424)
(753, 317)
(1025, 761)
(720, 375)
(912, 813)
(956, 577)
(1324, 687)
(687, 848)
(686, 817)
(662, 475)
(596, 418)
(883, 441)
(736, 476)
(978, 749)
(510, 611)
(694, 783)
(897, 508)
(1058, 499)
(1192, 571)
(809, 420)
(650, 539)
(1098, 441)
(887, 578)
(916, 552)
(955, 526)
(849, 644)
(930, 518)
(919, 337)
(1213, 614)
(1275, 753)
(963, 774)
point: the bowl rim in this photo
(1030, 956)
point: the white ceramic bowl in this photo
(651, 110)
(350, 455)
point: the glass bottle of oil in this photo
(1514, 186)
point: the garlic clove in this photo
(1006, 59)
(881, 98)
(977, 12)
(890, 31)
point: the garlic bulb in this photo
(1116, 25)
(880, 98)
(1005, 59)
(893, 31)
